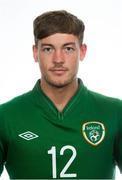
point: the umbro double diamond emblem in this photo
(28, 135)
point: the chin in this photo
(59, 84)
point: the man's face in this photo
(58, 56)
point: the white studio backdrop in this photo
(101, 69)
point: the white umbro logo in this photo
(28, 135)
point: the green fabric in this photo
(61, 145)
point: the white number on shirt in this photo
(68, 164)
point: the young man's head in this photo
(58, 47)
(57, 22)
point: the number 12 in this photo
(68, 164)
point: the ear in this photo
(83, 50)
(35, 53)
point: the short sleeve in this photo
(118, 147)
(1, 160)
(2, 143)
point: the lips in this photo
(58, 71)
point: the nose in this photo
(58, 57)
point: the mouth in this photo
(58, 71)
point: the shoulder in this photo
(13, 112)
(18, 102)
(103, 101)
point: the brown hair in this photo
(53, 22)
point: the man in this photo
(60, 129)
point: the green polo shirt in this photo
(82, 142)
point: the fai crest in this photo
(93, 132)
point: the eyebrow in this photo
(66, 44)
(69, 43)
(46, 44)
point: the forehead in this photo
(59, 39)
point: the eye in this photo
(69, 49)
(47, 49)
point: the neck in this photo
(59, 96)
